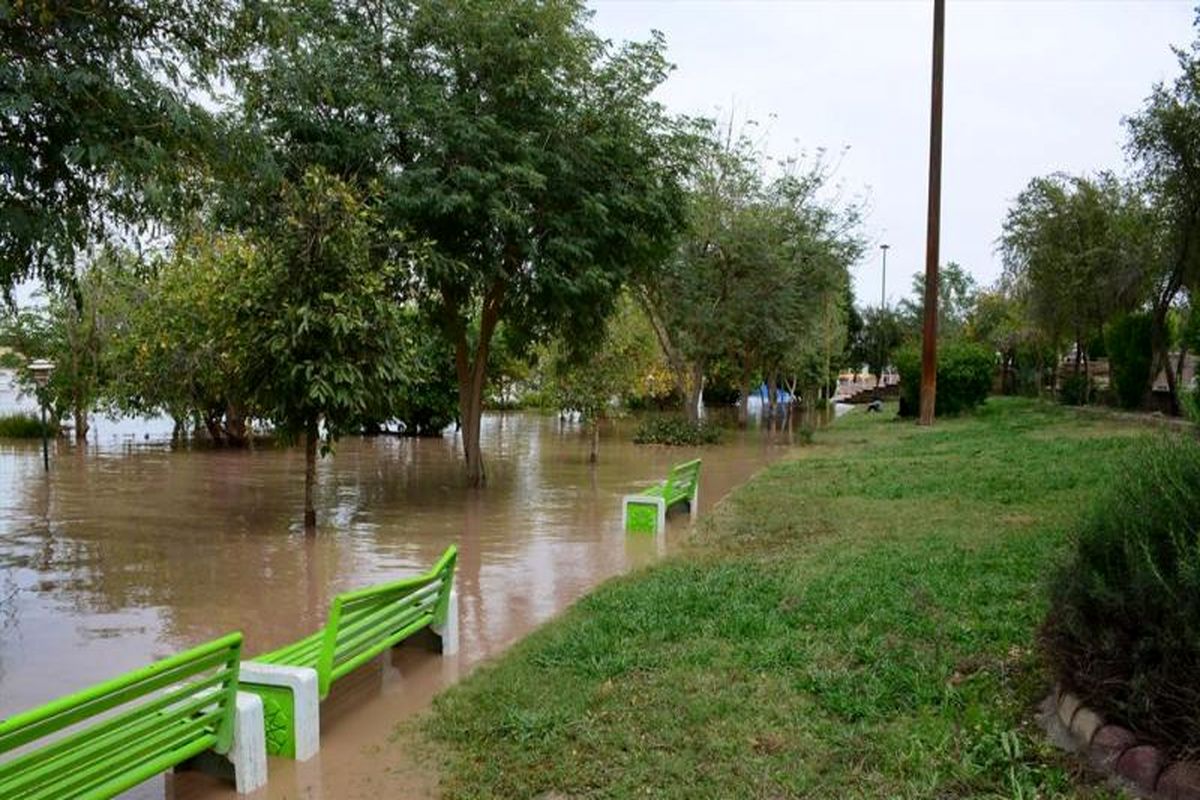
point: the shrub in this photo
(1124, 625)
(676, 431)
(21, 426)
(1076, 389)
(1130, 357)
(964, 377)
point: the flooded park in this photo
(131, 549)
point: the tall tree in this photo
(525, 149)
(1077, 248)
(1164, 141)
(327, 334)
(98, 120)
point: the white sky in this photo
(1031, 87)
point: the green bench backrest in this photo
(162, 715)
(681, 481)
(364, 623)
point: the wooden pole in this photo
(929, 336)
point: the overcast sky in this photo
(1031, 87)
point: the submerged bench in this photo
(362, 624)
(647, 512)
(110, 737)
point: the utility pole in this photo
(929, 336)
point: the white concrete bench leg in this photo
(306, 701)
(248, 752)
(694, 503)
(448, 631)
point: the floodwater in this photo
(129, 550)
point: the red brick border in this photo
(1115, 751)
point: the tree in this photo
(324, 327)
(1077, 250)
(882, 333)
(99, 125)
(753, 270)
(1164, 141)
(524, 148)
(76, 328)
(182, 349)
(593, 382)
(956, 300)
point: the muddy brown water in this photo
(130, 550)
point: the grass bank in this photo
(857, 622)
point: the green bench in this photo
(646, 512)
(361, 624)
(112, 736)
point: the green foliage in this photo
(676, 431)
(327, 336)
(77, 328)
(964, 377)
(590, 382)
(523, 148)
(98, 126)
(759, 277)
(881, 333)
(1130, 346)
(23, 426)
(1076, 389)
(957, 295)
(1077, 250)
(1124, 627)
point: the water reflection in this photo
(133, 550)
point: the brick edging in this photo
(1115, 751)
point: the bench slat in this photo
(187, 708)
(366, 615)
(346, 667)
(113, 733)
(179, 736)
(32, 725)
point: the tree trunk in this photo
(594, 427)
(772, 393)
(695, 393)
(235, 425)
(471, 368)
(81, 425)
(744, 400)
(311, 434)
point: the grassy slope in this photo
(855, 622)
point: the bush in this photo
(676, 431)
(1076, 389)
(964, 377)
(1123, 631)
(1130, 357)
(22, 426)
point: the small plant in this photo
(1076, 389)
(1124, 626)
(964, 377)
(22, 426)
(676, 431)
(1130, 356)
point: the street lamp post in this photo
(41, 369)
(883, 288)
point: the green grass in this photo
(857, 622)
(20, 426)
